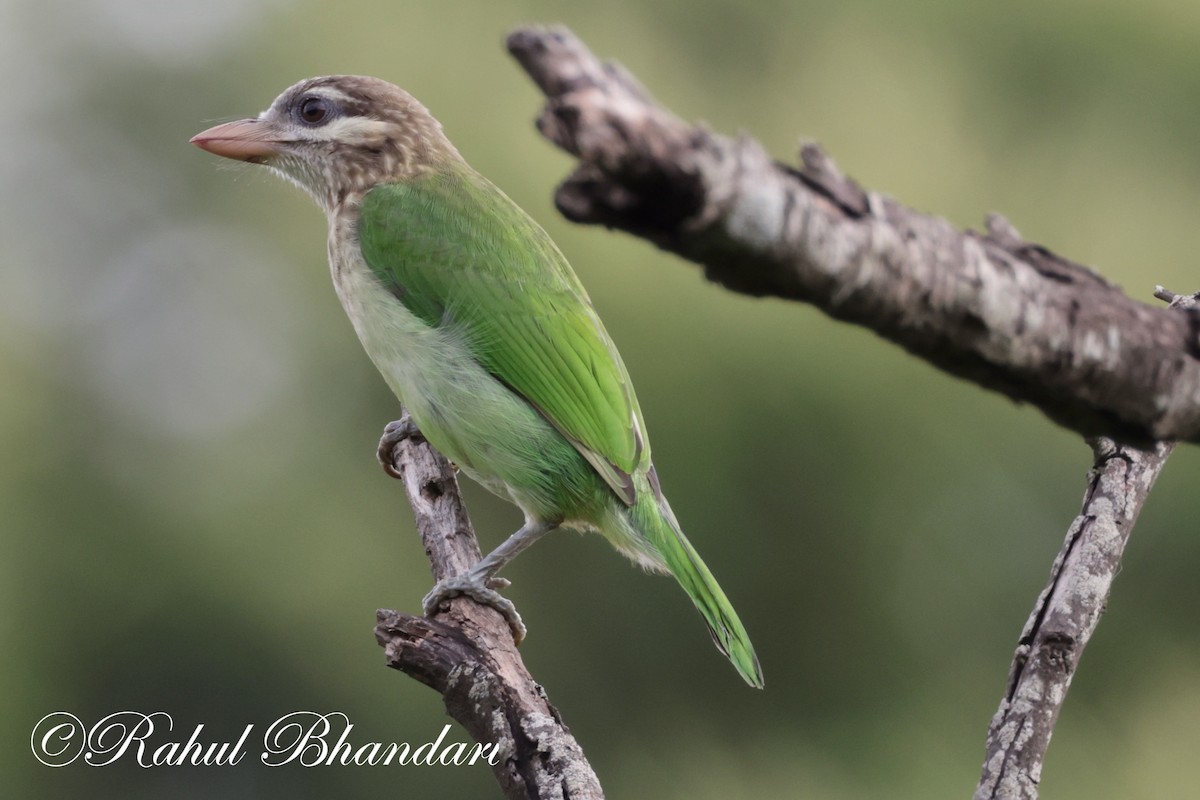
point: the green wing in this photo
(458, 253)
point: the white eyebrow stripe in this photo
(331, 93)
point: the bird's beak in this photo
(245, 140)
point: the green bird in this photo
(481, 328)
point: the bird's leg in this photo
(480, 583)
(393, 434)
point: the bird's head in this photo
(336, 137)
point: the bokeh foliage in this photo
(191, 519)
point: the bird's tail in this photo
(654, 520)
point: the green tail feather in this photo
(659, 526)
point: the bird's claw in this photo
(471, 586)
(394, 433)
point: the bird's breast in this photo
(414, 357)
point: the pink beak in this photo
(245, 140)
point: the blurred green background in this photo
(192, 520)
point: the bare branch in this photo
(1068, 610)
(989, 307)
(466, 651)
(1064, 617)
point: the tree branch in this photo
(466, 651)
(992, 308)
(1064, 618)
(1068, 610)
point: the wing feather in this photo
(457, 251)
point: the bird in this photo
(483, 331)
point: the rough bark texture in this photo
(991, 308)
(1064, 617)
(466, 651)
(1068, 609)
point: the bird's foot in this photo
(481, 590)
(393, 434)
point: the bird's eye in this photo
(314, 110)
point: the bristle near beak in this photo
(250, 140)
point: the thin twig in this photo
(466, 651)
